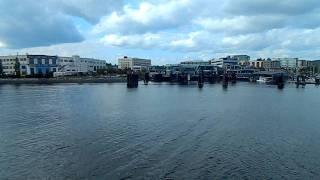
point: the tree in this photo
(17, 67)
(101, 71)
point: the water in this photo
(106, 131)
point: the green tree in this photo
(101, 71)
(17, 67)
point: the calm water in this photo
(106, 131)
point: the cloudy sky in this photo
(167, 31)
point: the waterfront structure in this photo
(197, 62)
(76, 65)
(41, 64)
(316, 66)
(303, 64)
(245, 63)
(29, 64)
(241, 57)
(271, 64)
(226, 62)
(9, 63)
(157, 69)
(261, 63)
(135, 64)
(287, 63)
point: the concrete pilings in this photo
(146, 78)
(201, 80)
(132, 80)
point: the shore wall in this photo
(64, 80)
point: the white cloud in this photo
(151, 17)
(203, 27)
(148, 40)
(30, 23)
(241, 24)
(274, 7)
(2, 45)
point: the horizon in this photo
(115, 61)
(166, 31)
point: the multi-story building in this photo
(245, 63)
(199, 62)
(76, 64)
(227, 62)
(9, 64)
(133, 63)
(41, 64)
(316, 66)
(45, 65)
(29, 64)
(303, 64)
(271, 64)
(241, 57)
(261, 63)
(287, 63)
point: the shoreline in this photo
(64, 80)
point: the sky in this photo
(166, 31)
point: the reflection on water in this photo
(159, 131)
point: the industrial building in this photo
(226, 62)
(76, 64)
(29, 64)
(33, 65)
(135, 64)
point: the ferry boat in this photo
(265, 79)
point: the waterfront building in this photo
(303, 64)
(241, 57)
(76, 64)
(136, 64)
(316, 65)
(41, 64)
(172, 68)
(287, 63)
(9, 63)
(258, 64)
(261, 63)
(226, 62)
(245, 63)
(197, 62)
(29, 64)
(271, 64)
(157, 69)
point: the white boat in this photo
(265, 79)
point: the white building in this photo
(29, 64)
(8, 63)
(76, 64)
(241, 57)
(226, 63)
(136, 64)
